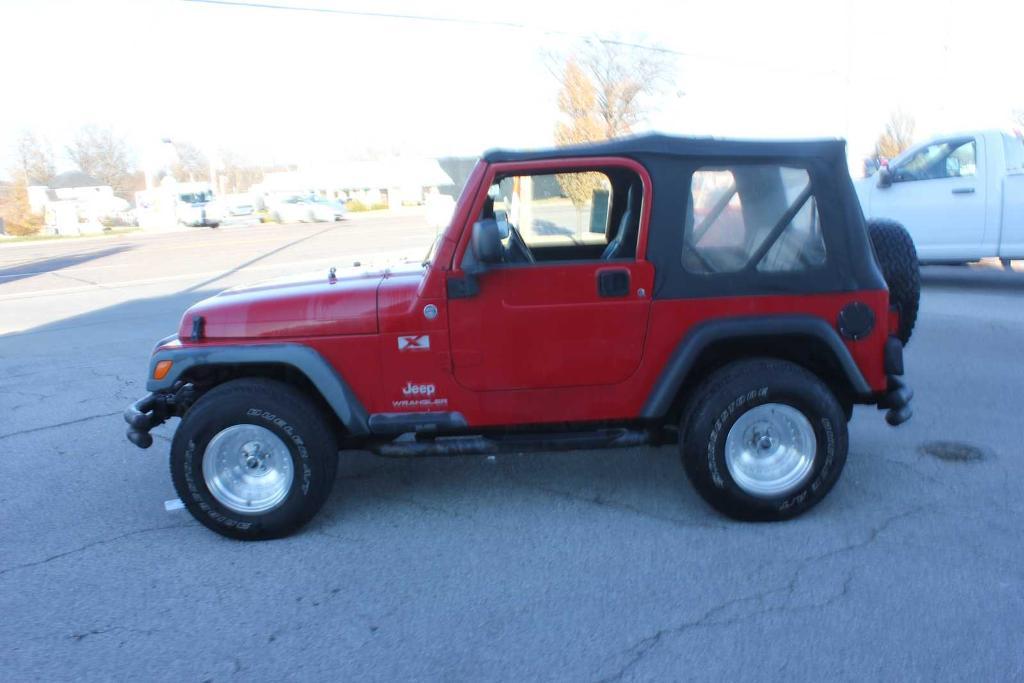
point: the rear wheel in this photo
(254, 459)
(897, 256)
(766, 440)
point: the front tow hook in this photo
(141, 417)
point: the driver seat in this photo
(623, 245)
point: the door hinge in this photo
(463, 287)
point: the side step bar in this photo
(408, 445)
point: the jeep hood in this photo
(297, 306)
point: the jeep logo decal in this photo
(411, 389)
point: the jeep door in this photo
(568, 303)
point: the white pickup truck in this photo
(961, 196)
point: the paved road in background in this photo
(580, 566)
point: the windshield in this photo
(196, 197)
(430, 251)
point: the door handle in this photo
(613, 282)
(963, 190)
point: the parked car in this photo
(291, 210)
(961, 196)
(326, 210)
(741, 313)
(241, 208)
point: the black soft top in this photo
(672, 161)
(670, 145)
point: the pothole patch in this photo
(953, 451)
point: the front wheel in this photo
(254, 459)
(765, 440)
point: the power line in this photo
(361, 13)
(441, 19)
(501, 24)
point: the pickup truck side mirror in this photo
(486, 241)
(884, 178)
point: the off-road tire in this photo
(897, 256)
(729, 393)
(289, 414)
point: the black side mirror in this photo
(884, 178)
(486, 241)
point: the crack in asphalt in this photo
(79, 637)
(625, 507)
(913, 470)
(88, 546)
(425, 507)
(22, 392)
(65, 276)
(640, 649)
(59, 424)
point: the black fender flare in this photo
(704, 335)
(331, 385)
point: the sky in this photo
(290, 86)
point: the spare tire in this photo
(897, 256)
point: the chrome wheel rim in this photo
(770, 450)
(248, 469)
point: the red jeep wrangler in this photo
(722, 294)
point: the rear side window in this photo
(1014, 147)
(760, 218)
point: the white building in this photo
(74, 203)
(391, 182)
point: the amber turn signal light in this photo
(162, 368)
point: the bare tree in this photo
(622, 76)
(192, 164)
(577, 102)
(101, 153)
(898, 135)
(238, 174)
(605, 88)
(35, 159)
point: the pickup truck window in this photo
(756, 217)
(945, 159)
(1014, 148)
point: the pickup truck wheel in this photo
(897, 256)
(254, 459)
(765, 441)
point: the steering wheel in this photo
(517, 250)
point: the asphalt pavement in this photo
(582, 566)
